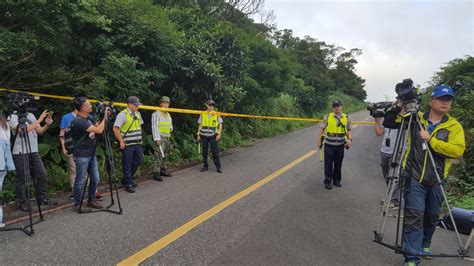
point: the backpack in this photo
(68, 140)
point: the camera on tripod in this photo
(101, 106)
(21, 102)
(409, 95)
(377, 110)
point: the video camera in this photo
(100, 108)
(21, 102)
(377, 110)
(409, 95)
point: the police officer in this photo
(336, 128)
(423, 195)
(209, 133)
(161, 127)
(128, 132)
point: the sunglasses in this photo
(336, 105)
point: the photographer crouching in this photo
(84, 130)
(423, 194)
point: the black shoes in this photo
(157, 177)
(130, 189)
(166, 173)
(134, 184)
(337, 184)
(328, 185)
(205, 168)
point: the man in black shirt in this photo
(84, 133)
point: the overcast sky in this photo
(399, 39)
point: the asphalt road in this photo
(292, 220)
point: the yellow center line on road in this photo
(158, 245)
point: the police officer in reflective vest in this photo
(209, 132)
(161, 127)
(128, 131)
(336, 128)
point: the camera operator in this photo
(65, 136)
(36, 166)
(6, 160)
(84, 130)
(423, 195)
(389, 132)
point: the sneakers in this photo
(328, 185)
(23, 206)
(426, 252)
(82, 210)
(98, 196)
(392, 207)
(94, 205)
(49, 202)
(410, 263)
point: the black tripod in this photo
(410, 119)
(25, 145)
(110, 165)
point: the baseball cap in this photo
(442, 90)
(165, 99)
(134, 100)
(210, 102)
(337, 102)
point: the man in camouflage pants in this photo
(162, 126)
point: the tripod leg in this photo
(27, 177)
(433, 164)
(35, 182)
(111, 170)
(83, 193)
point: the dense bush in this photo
(459, 73)
(188, 50)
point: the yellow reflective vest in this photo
(165, 124)
(131, 130)
(335, 133)
(209, 125)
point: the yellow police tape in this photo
(183, 111)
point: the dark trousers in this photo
(131, 159)
(205, 141)
(333, 156)
(385, 165)
(422, 206)
(37, 171)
